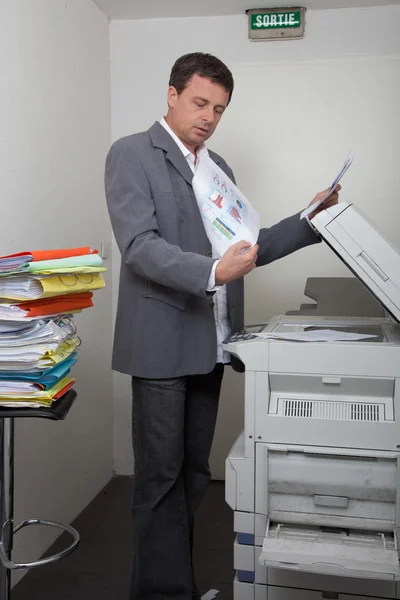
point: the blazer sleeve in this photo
(285, 237)
(135, 227)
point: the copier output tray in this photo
(331, 551)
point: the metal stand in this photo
(6, 500)
(7, 495)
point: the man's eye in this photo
(200, 105)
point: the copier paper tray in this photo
(337, 552)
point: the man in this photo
(176, 305)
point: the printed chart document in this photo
(227, 214)
(343, 170)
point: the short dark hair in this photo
(205, 65)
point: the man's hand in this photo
(237, 261)
(330, 201)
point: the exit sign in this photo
(276, 23)
(273, 20)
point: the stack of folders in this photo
(40, 292)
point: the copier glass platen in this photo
(314, 479)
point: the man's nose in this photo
(208, 114)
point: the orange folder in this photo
(64, 390)
(61, 253)
(57, 304)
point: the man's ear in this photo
(172, 96)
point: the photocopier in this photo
(314, 479)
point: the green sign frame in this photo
(268, 24)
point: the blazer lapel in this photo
(215, 157)
(161, 139)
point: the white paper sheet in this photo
(227, 214)
(314, 206)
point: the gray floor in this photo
(99, 568)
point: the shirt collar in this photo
(185, 151)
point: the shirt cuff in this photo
(212, 286)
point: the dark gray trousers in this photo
(172, 432)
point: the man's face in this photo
(194, 114)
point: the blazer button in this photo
(209, 254)
(212, 303)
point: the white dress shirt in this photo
(221, 316)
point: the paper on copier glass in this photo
(343, 170)
(322, 335)
(227, 215)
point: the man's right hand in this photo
(237, 261)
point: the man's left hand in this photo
(330, 201)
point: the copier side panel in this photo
(249, 413)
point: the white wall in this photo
(54, 134)
(297, 110)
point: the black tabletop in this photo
(57, 411)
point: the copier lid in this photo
(365, 252)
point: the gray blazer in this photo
(165, 322)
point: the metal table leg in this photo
(6, 515)
(6, 500)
